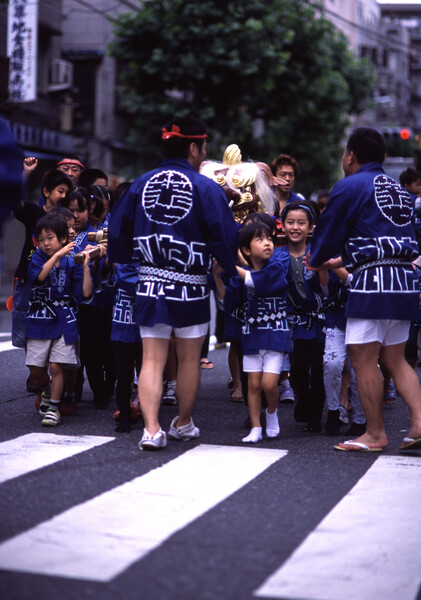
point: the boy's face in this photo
(52, 198)
(297, 226)
(261, 249)
(414, 187)
(81, 216)
(49, 243)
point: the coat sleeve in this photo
(121, 227)
(331, 231)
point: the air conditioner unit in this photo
(61, 77)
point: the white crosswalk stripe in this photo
(36, 450)
(366, 548)
(6, 346)
(96, 541)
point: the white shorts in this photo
(163, 331)
(388, 332)
(267, 361)
(39, 353)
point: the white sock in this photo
(272, 424)
(254, 436)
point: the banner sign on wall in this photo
(22, 49)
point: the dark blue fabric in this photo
(369, 218)
(170, 223)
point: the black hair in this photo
(62, 212)
(284, 159)
(264, 217)
(367, 144)
(54, 223)
(176, 147)
(409, 176)
(120, 189)
(82, 197)
(89, 176)
(53, 179)
(99, 191)
(253, 228)
(308, 206)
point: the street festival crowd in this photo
(317, 301)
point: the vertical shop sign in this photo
(22, 47)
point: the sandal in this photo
(206, 364)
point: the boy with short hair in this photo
(51, 326)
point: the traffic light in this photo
(400, 141)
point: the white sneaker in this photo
(51, 418)
(169, 397)
(272, 424)
(185, 432)
(153, 442)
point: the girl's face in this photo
(71, 227)
(49, 242)
(81, 216)
(297, 226)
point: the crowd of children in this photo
(285, 322)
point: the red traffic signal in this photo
(405, 133)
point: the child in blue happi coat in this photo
(307, 302)
(51, 325)
(261, 289)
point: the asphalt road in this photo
(231, 536)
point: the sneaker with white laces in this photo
(153, 442)
(185, 432)
(169, 397)
(44, 405)
(51, 418)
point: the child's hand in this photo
(30, 163)
(66, 249)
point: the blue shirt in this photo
(53, 304)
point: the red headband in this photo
(70, 161)
(175, 132)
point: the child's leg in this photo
(254, 406)
(52, 416)
(124, 369)
(235, 370)
(317, 388)
(254, 397)
(270, 387)
(300, 368)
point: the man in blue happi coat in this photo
(170, 223)
(368, 222)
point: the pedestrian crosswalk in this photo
(96, 540)
(365, 548)
(6, 342)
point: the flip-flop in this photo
(410, 443)
(206, 364)
(353, 446)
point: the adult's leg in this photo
(406, 381)
(155, 352)
(188, 376)
(317, 388)
(364, 359)
(300, 380)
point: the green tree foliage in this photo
(270, 76)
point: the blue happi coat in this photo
(368, 221)
(53, 304)
(170, 223)
(265, 325)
